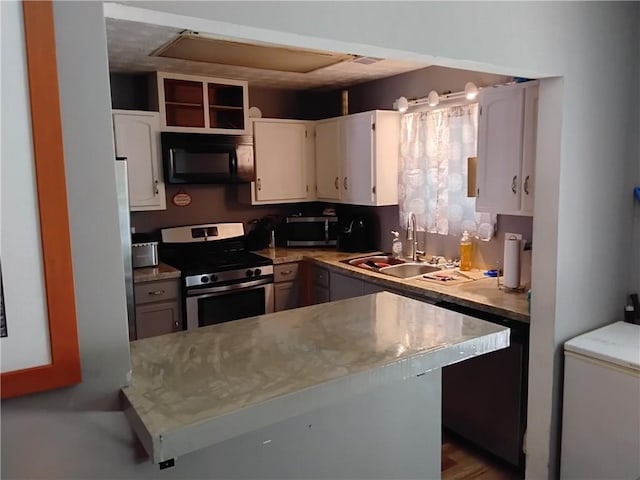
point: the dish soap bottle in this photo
(396, 245)
(466, 248)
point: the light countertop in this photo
(151, 274)
(483, 294)
(193, 389)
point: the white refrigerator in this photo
(601, 406)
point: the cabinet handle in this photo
(526, 185)
(155, 187)
(286, 272)
(176, 325)
(345, 183)
(373, 189)
(335, 183)
(259, 184)
(513, 184)
(157, 292)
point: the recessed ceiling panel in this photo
(191, 46)
(131, 45)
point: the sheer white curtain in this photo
(434, 146)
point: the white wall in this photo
(582, 231)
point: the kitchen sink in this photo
(375, 262)
(395, 267)
(409, 269)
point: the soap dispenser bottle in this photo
(466, 250)
(396, 245)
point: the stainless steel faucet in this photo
(412, 228)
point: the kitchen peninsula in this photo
(343, 389)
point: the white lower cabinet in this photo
(158, 308)
(284, 161)
(286, 286)
(137, 137)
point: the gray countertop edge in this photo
(419, 292)
(162, 271)
(177, 442)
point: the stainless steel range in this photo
(221, 280)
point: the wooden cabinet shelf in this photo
(224, 107)
(189, 103)
(184, 104)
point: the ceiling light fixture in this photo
(433, 99)
(401, 104)
(470, 93)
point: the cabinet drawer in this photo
(287, 296)
(320, 276)
(285, 272)
(156, 291)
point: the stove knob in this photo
(214, 278)
(249, 273)
(257, 272)
(204, 279)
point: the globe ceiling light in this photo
(433, 99)
(402, 104)
(470, 91)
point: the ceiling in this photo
(131, 43)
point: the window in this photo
(434, 147)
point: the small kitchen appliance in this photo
(305, 231)
(221, 280)
(355, 234)
(144, 254)
(207, 158)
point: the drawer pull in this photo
(157, 292)
(286, 272)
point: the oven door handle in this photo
(228, 288)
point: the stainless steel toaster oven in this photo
(144, 254)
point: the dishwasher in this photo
(484, 399)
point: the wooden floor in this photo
(461, 461)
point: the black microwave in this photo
(311, 231)
(207, 158)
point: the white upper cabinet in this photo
(370, 158)
(190, 103)
(284, 161)
(529, 148)
(507, 131)
(328, 148)
(357, 158)
(137, 137)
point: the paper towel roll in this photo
(511, 277)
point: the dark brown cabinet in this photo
(190, 103)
